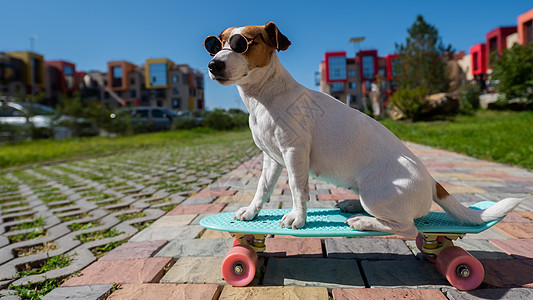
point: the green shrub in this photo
(411, 102)
(469, 98)
(222, 120)
(513, 74)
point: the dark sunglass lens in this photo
(212, 45)
(238, 43)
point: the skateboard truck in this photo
(431, 244)
(255, 241)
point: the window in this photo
(395, 66)
(493, 45)
(175, 79)
(160, 93)
(37, 66)
(368, 86)
(351, 73)
(528, 31)
(175, 91)
(382, 72)
(337, 68)
(158, 74)
(475, 58)
(353, 85)
(133, 94)
(141, 113)
(176, 103)
(368, 67)
(337, 87)
(69, 71)
(6, 111)
(117, 76)
(69, 77)
(157, 113)
(352, 99)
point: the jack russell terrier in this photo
(312, 133)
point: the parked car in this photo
(147, 118)
(191, 119)
(19, 121)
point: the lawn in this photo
(25, 153)
(502, 136)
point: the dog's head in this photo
(238, 51)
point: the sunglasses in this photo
(238, 43)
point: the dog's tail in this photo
(472, 216)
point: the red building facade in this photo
(496, 40)
(478, 55)
(67, 75)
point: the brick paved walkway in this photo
(174, 257)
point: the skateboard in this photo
(437, 231)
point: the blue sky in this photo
(91, 33)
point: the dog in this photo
(313, 134)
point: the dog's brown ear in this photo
(276, 40)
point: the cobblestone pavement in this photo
(81, 209)
(174, 257)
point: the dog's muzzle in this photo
(217, 67)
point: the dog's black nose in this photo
(216, 66)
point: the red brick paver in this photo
(153, 291)
(300, 247)
(140, 270)
(365, 294)
(135, 250)
(517, 248)
(517, 230)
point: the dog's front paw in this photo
(293, 220)
(245, 214)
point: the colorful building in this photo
(352, 79)
(525, 27)
(33, 75)
(496, 41)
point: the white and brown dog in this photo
(311, 133)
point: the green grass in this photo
(36, 233)
(34, 291)
(131, 216)
(101, 251)
(502, 136)
(77, 226)
(54, 262)
(30, 152)
(39, 222)
(98, 235)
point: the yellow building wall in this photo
(26, 57)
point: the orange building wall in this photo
(522, 19)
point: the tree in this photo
(423, 59)
(513, 72)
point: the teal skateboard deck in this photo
(435, 241)
(330, 223)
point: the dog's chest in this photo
(264, 132)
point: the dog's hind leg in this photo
(404, 228)
(267, 181)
